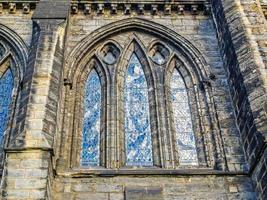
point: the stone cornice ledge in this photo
(12, 6)
(29, 149)
(141, 7)
(82, 173)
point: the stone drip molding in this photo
(193, 7)
(13, 7)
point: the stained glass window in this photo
(6, 87)
(183, 122)
(137, 122)
(90, 154)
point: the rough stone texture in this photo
(169, 188)
(222, 57)
(19, 23)
(26, 175)
(243, 46)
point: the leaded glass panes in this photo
(6, 87)
(137, 121)
(90, 154)
(182, 121)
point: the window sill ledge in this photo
(83, 173)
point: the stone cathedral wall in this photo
(200, 30)
(231, 37)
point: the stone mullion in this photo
(166, 142)
(160, 142)
(114, 145)
(170, 152)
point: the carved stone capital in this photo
(12, 8)
(114, 8)
(181, 9)
(74, 8)
(154, 9)
(127, 10)
(167, 9)
(1, 7)
(194, 9)
(141, 8)
(207, 9)
(87, 8)
(100, 8)
(26, 8)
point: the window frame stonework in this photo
(95, 64)
(10, 61)
(194, 104)
(135, 46)
(195, 73)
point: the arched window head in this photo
(90, 154)
(137, 121)
(183, 121)
(6, 87)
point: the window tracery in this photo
(159, 54)
(145, 114)
(110, 53)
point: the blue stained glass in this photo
(137, 122)
(6, 87)
(183, 122)
(90, 154)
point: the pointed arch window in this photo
(6, 88)
(138, 142)
(90, 154)
(185, 138)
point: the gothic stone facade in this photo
(219, 48)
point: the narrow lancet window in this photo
(137, 121)
(183, 121)
(6, 87)
(90, 154)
